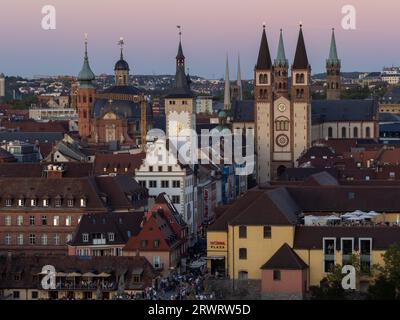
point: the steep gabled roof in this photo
(286, 259)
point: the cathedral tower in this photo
(333, 66)
(282, 119)
(301, 100)
(263, 96)
(281, 66)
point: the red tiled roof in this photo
(286, 259)
(120, 161)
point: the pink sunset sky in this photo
(211, 29)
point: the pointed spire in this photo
(333, 56)
(300, 58)
(239, 80)
(281, 56)
(182, 80)
(227, 91)
(264, 57)
(86, 75)
(180, 55)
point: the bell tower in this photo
(263, 96)
(121, 69)
(333, 66)
(301, 99)
(281, 66)
(85, 95)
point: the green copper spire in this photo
(281, 56)
(86, 75)
(333, 56)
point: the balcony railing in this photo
(107, 286)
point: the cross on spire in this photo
(121, 43)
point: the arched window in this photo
(368, 132)
(260, 78)
(343, 132)
(355, 132)
(330, 132)
(282, 124)
(280, 85)
(297, 78)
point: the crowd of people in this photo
(175, 286)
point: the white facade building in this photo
(178, 183)
(204, 104)
(391, 75)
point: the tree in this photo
(331, 286)
(382, 289)
(387, 284)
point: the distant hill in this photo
(347, 75)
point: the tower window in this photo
(355, 132)
(263, 78)
(330, 132)
(368, 132)
(343, 132)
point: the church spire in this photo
(180, 58)
(333, 56)
(121, 43)
(239, 80)
(281, 56)
(86, 75)
(264, 56)
(227, 91)
(300, 58)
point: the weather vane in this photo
(180, 32)
(121, 43)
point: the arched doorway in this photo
(281, 169)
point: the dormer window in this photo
(83, 202)
(111, 236)
(8, 202)
(70, 203)
(33, 202)
(57, 202)
(45, 202)
(20, 202)
(85, 237)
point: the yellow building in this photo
(262, 237)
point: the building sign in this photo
(205, 198)
(217, 245)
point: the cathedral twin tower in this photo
(283, 110)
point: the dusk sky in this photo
(211, 29)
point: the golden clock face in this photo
(281, 107)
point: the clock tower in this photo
(179, 109)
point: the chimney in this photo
(53, 171)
